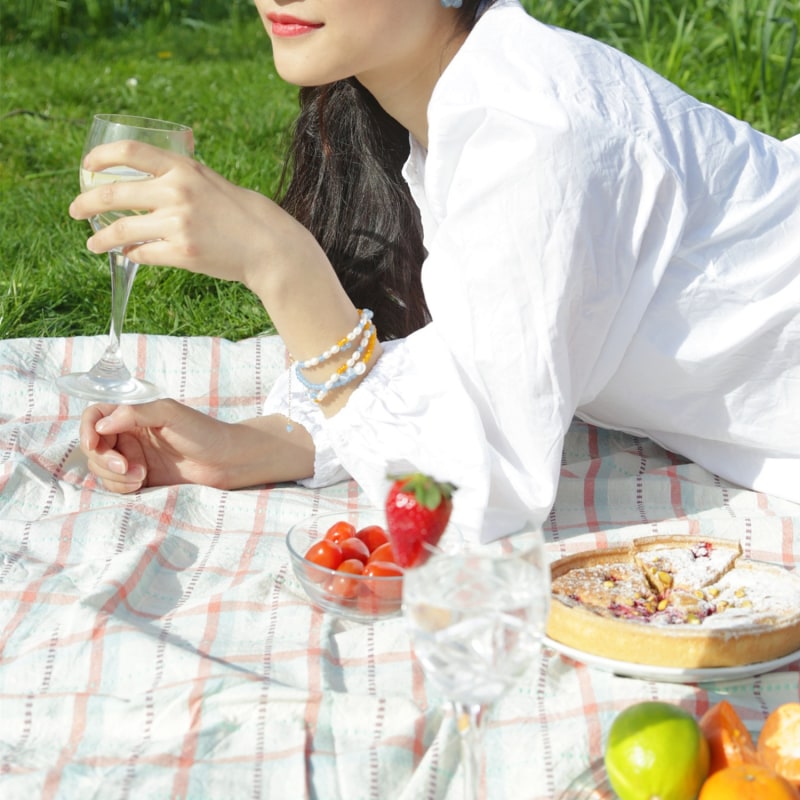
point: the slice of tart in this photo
(609, 589)
(671, 563)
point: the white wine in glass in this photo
(109, 379)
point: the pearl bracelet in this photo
(352, 369)
(344, 344)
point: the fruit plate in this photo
(649, 672)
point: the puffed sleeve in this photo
(541, 260)
(409, 413)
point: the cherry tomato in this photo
(392, 590)
(373, 536)
(324, 554)
(340, 531)
(369, 603)
(343, 586)
(382, 553)
(354, 548)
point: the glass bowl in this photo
(359, 597)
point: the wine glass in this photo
(477, 615)
(109, 379)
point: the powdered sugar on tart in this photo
(675, 601)
(688, 566)
(753, 594)
(608, 589)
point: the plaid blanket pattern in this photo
(157, 645)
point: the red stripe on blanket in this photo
(141, 356)
(180, 785)
(213, 379)
(589, 487)
(81, 699)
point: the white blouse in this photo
(599, 244)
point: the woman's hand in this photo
(194, 218)
(153, 444)
(165, 443)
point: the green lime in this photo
(656, 751)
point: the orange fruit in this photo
(728, 740)
(747, 782)
(656, 749)
(779, 742)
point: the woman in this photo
(596, 242)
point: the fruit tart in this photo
(675, 601)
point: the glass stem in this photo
(470, 721)
(123, 272)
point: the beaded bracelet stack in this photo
(345, 343)
(363, 337)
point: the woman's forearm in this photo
(308, 305)
(261, 450)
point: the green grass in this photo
(63, 24)
(217, 75)
(219, 79)
(740, 55)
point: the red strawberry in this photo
(417, 511)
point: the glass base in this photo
(130, 391)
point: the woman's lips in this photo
(284, 26)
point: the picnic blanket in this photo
(157, 645)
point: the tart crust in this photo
(709, 608)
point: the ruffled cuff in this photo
(327, 467)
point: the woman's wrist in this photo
(330, 377)
(260, 450)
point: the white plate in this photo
(649, 672)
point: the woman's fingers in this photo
(111, 200)
(127, 418)
(114, 454)
(161, 230)
(137, 155)
(136, 233)
(89, 436)
(125, 465)
(192, 218)
(125, 194)
(129, 480)
(120, 196)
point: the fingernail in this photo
(137, 472)
(101, 425)
(117, 465)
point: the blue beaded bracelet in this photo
(344, 344)
(354, 367)
(351, 370)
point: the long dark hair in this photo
(342, 180)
